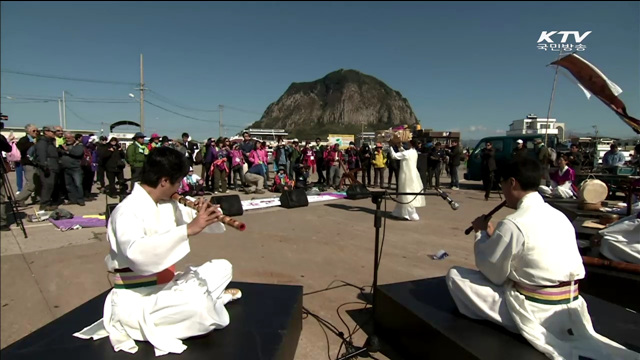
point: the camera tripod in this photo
(11, 199)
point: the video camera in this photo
(3, 118)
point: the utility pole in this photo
(220, 110)
(141, 95)
(64, 111)
(60, 111)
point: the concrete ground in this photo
(52, 272)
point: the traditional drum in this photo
(592, 193)
(394, 135)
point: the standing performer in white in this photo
(529, 271)
(408, 181)
(149, 233)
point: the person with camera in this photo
(25, 145)
(455, 154)
(46, 160)
(434, 164)
(71, 153)
(112, 156)
(5, 206)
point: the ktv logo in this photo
(545, 41)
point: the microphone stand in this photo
(372, 344)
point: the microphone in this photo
(454, 205)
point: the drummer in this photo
(562, 180)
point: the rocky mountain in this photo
(342, 102)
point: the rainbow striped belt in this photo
(549, 295)
(127, 279)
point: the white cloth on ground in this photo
(148, 238)
(621, 240)
(408, 181)
(522, 250)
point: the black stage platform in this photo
(419, 320)
(265, 324)
(569, 207)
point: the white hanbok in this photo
(408, 181)
(148, 238)
(534, 248)
(621, 240)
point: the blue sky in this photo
(461, 65)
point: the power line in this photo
(176, 113)
(171, 102)
(67, 78)
(241, 110)
(80, 117)
(74, 99)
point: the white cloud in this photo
(477, 128)
(501, 132)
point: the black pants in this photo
(424, 178)
(208, 179)
(487, 183)
(434, 172)
(321, 171)
(111, 176)
(48, 187)
(392, 171)
(87, 180)
(100, 176)
(236, 171)
(366, 172)
(378, 173)
(60, 189)
(136, 175)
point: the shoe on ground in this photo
(455, 188)
(81, 203)
(5, 228)
(260, 191)
(235, 293)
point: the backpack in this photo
(198, 159)
(14, 155)
(87, 158)
(552, 155)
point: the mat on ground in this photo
(78, 222)
(275, 201)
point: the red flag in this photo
(594, 81)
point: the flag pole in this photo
(553, 93)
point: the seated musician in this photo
(281, 181)
(562, 180)
(149, 233)
(621, 240)
(530, 267)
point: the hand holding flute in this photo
(482, 222)
(207, 215)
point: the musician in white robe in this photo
(408, 181)
(148, 234)
(530, 268)
(621, 240)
